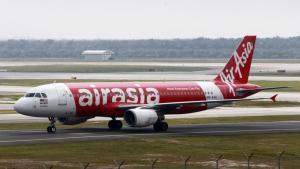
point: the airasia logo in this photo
(228, 76)
(95, 96)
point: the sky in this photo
(145, 19)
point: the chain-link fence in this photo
(281, 160)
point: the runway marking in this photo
(146, 134)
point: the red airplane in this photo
(142, 104)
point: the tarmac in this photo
(16, 137)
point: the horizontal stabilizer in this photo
(273, 98)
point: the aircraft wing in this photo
(259, 89)
(160, 106)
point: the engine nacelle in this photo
(72, 120)
(140, 117)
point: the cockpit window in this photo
(29, 95)
(44, 95)
(38, 95)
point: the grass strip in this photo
(169, 149)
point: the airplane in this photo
(142, 104)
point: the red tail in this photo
(238, 67)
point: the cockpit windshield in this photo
(44, 95)
(38, 95)
(29, 94)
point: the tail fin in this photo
(238, 67)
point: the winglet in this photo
(273, 98)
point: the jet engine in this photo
(73, 120)
(141, 117)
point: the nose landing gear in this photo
(51, 128)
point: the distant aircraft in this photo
(142, 104)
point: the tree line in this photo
(273, 48)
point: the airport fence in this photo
(281, 160)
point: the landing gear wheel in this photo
(48, 129)
(164, 126)
(160, 126)
(51, 128)
(115, 124)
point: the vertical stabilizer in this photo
(237, 68)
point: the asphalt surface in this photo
(13, 137)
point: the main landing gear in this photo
(115, 124)
(51, 128)
(160, 126)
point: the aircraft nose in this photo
(17, 106)
(21, 107)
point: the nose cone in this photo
(22, 107)
(18, 107)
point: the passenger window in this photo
(38, 95)
(44, 95)
(29, 95)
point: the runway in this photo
(13, 137)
